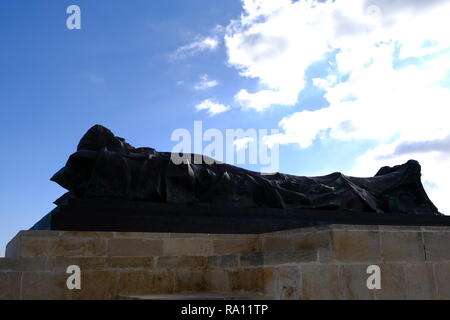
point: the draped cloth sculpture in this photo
(106, 169)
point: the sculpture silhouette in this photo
(107, 172)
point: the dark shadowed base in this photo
(133, 216)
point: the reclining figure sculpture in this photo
(105, 169)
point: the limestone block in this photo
(181, 262)
(23, 264)
(356, 246)
(60, 264)
(317, 240)
(442, 273)
(252, 259)
(32, 247)
(57, 243)
(190, 280)
(325, 255)
(217, 280)
(161, 280)
(270, 283)
(287, 282)
(224, 261)
(435, 228)
(146, 282)
(76, 247)
(247, 279)
(234, 245)
(134, 248)
(402, 246)
(419, 281)
(46, 286)
(311, 240)
(41, 247)
(290, 257)
(10, 285)
(437, 245)
(277, 243)
(129, 263)
(353, 282)
(132, 282)
(319, 282)
(393, 282)
(97, 285)
(200, 246)
(8, 264)
(306, 263)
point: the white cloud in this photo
(372, 91)
(213, 108)
(202, 44)
(205, 83)
(377, 102)
(275, 41)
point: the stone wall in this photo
(328, 262)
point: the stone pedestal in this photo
(328, 262)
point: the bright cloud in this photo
(213, 108)
(202, 44)
(275, 41)
(388, 80)
(205, 83)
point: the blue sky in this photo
(343, 81)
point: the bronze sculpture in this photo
(106, 171)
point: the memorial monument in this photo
(139, 226)
(113, 186)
